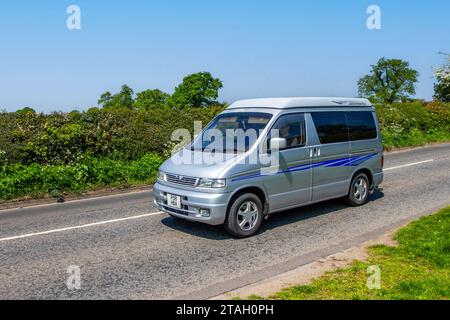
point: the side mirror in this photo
(278, 143)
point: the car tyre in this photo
(359, 191)
(245, 216)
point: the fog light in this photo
(204, 212)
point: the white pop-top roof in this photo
(283, 103)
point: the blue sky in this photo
(258, 48)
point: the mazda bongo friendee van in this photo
(263, 156)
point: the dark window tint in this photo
(292, 128)
(331, 126)
(361, 125)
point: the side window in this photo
(292, 128)
(331, 126)
(361, 125)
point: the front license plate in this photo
(173, 201)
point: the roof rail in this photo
(286, 103)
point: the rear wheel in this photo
(359, 190)
(245, 216)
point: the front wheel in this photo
(245, 216)
(359, 190)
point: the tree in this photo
(151, 99)
(197, 90)
(123, 99)
(26, 110)
(105, 99)
(390, 80)
(442, 85)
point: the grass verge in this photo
(417, 269)
(37, 180)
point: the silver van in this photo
(325, 148)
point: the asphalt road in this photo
(125, 249)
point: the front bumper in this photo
(192, 202)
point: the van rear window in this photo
(361, 125)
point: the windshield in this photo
(232, 132)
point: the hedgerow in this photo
(78, 151)
(36, 180)
(413, 124)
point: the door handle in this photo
(314, 152)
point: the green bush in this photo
(90, 173)
(123, 134)
(128, 134)
(414, 123)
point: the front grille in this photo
(182, 180)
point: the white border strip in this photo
(409, 165)
(81, 226)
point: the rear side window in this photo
(331, 126)
(361, 125)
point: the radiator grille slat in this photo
(181, 180)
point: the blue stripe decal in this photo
(341, 162)
(357, 162)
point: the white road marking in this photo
(81, 226)
(148, 214)
(408, 165)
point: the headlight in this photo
(161, 176)
(211, 183)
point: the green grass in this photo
(38, 180)
(418, 268)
